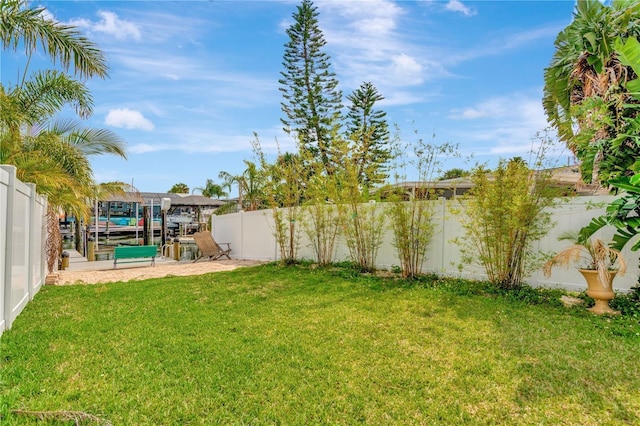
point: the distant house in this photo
(565, 177)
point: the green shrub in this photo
(503, 214)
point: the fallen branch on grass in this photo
(75, 416)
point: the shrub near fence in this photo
(252, 236)
(23, 228)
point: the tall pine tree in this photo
(311, 99)
(368, 132)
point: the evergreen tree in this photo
(311, 101)
(369, 133)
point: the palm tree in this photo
(179, 188)
(38, 145)
(56, 159)
(36, 101)
(585, 87)
(211, 189)
(58, 165)
(250, 186)
(53, 155)
(229, 180)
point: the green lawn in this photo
(271, 345)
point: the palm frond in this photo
(47, 92)
(97, 142)
(28, 27)
(597, 254)
(564, 258)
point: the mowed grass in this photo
(272, 345)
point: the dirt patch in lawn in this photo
(146, 272)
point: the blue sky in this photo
(191, 81)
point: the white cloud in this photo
(143, 148)
(491, 108)
(109, 23)
(406, 70)
(47, 15)
(458, 6)
(399, 97)
(154, 62)
(129, 119)
(195, 143)
(502, 44)
(367, 42)
(503, 125)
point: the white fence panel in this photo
(20, 249)
(4, 208)
(22, 235)
(252, 236)
(259, 242)
(228, 229)
(305, 251)
(37, 237)
(571, 216)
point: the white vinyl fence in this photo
(23, 228)
(251, 235)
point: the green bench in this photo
(134, 252)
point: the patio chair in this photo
(208, 246)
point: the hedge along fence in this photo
(23, 230)
(251, 235)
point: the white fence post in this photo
(443, 242)
(4, 182)
(8, 245)
(241, 234)
(32, 241)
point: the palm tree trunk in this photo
(53, 245)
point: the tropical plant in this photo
(591, 253)
(361, 217)
(311, 100)
(179, 188)
(623, 213)
(368, 133)
(53, 155)
(502, 214)
(250, 185)
(411, 214)
(211, 189)
(454, 173)
(283, 187)
(322, 224)
(586, 97)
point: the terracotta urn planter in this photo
(598, 292)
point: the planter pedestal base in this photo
(602, 307)
(601, 294)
